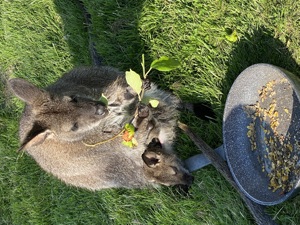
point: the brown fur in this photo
(59, 119)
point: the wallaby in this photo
(61, 123)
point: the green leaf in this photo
(130, 128)
(128, 144)
(134, 142)
(134, 80)
(232, 37)
(104, 100)
(154, 103)
(145, 100)
(165, 64)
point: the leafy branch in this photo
(139, 85)
(135, 81)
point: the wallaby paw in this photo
(143, 111)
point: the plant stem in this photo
(104, 141)
(141, 95)
(143, 66)
(145, 76)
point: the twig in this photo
(105, 141)
(258, 211)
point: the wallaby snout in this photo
(163, 167)
(189, 179)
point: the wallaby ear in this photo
(37, 135)
(151, 159)
(24, 90)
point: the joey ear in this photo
(151, 159)
(37, 135)
(24, 90)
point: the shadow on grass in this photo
(117, 41)
(114, 28)
(262, 47)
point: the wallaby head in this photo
(47, 114)
(164, 168)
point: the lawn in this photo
(42, 39)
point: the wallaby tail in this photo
(96, 58)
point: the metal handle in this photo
(199, 161)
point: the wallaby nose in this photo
(155, 143)
(188, 178)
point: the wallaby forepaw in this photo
(143, 111)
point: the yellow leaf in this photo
(134, 142)
(154, 103)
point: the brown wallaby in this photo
(61, 123)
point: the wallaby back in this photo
(59, 121)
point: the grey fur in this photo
(59, 119)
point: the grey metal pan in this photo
(244, 163)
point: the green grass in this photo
(40, 40)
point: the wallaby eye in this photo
(75, 127)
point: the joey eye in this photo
(75, 127)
